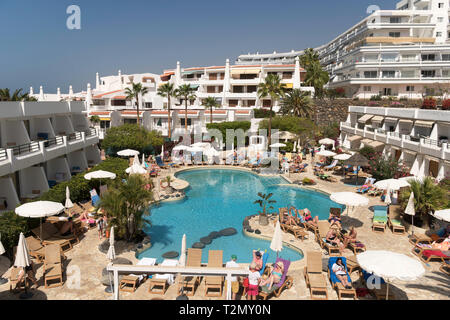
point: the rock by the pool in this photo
(214, 235)
(250, 230)
(122, 261)
(257, 231)
(198, 245)
(228, 232)
(170, 255)
(206, 240)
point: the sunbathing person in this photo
(30, 275)
(437, 245)
(309, 219)
(351, 237)
(257, 260)
(67, 227)
(333, 239)
(334, 220)
(275, 276)
(339, 270)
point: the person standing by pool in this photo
(234, 280)
(253, 282)
(257, 260)
(312, 154)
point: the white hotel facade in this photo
(42, 144)
(233, 86)
(403, 52)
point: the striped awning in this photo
(409, 151)
(376, 145)
(244, 71)
(365, 118)
(388, 119)
(354, 138)
(378, 119)
(405, 121)
(366, 141)
(425, 124)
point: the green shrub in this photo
(263, 113)
(11, 225)
(376, 98)
(367, 152)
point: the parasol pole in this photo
(387, 290)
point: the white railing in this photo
(184, 271)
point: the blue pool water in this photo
(219, 199)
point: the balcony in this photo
(398, 40)
(91, 136)
(75, 141)
(54, 147)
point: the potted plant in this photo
(263, 203)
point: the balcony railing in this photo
(74, 136)
(432, 142)
(26, 148)
(53, 142)
(3, 155)
(395, 134)
(91, 132)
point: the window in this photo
(445, 57)
(409, 88)
(183, 122)
(440, 19)
(428, 57)
(446, 73)
(394, 20)
(148, 105)
(438, 34)
(387, 92)
(388, 74)
(370, 74)
(428, 73)
(394, 34)
(367, 88)
(440, 5)
(409, 57)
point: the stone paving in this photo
(88, 261)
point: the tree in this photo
(127, 204)
(315, 75)
(297, 103)
(211, 102)
(273, 88)
(263, 202)
(184, 92)
(130, 136)
(167, 90)
(305, 129)
(133, 92)
(428, 197)
(5, 95)
(95, 119)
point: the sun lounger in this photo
(48, 239)
(314, 277)
(324, 227)
(394, 220)
(53, 266)
(380, 219)
(194, 259)
(426, 253)
(374, 192)
(420, 238)
(160, 163)
(298, 231)
(159, 283)
(130, 282)
(356, 246)
(215, 260)
(35, 248)
(331, 166)
(54, 232)
(286, 282)
(445, 267)
(336, 283)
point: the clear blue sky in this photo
(151, 35)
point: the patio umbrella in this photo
(443, 215)
(342, 157)
(326, 153)
(393, 184)
(39, 209)
(357, 160)
(2, 249)
(111, 255)
(181, 148)
(388, 199)
(326, 141)
(128, 153)
(69, 203)
(136, 169)
(390, 266)
(277, 239)
(100, 174)
(410, 210)
(182, 260)
(277, 145)
(349, 199)
(23, 260)
(201, 145)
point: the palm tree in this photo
(298, 103)
(127, 204)
(428, 197)
(184, 92)
(5, 95)
(263, 202)
(211, 102)
(133, 92)
(316, 77)
(273, 88)
(167, 90)
(308, 57)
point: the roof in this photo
(99, 96)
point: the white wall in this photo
(58, 166)
(8, 191)
(77, 159)
(15, 132)
(32, 178)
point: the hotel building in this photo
(418, 139)
(42, 144)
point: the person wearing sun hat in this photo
(275, 276)
(234, 280)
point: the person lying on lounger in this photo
(339, 270)
(333, 239)
(334, 220)
(309, 219)
(275, 276)
(286, 218)
(67, 227)
(351, 237)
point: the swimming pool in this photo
(219, 199)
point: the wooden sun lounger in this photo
(420, 238)
(35, 248)
(394, 220)
(298, 231)
(48, 239)
(419, 251)
(51, 230)
(356, 247)
(445, 267)
(324, 227)
(194, 259)
(215, 260)
(53, 266)
(314, 277)
(339, 287)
